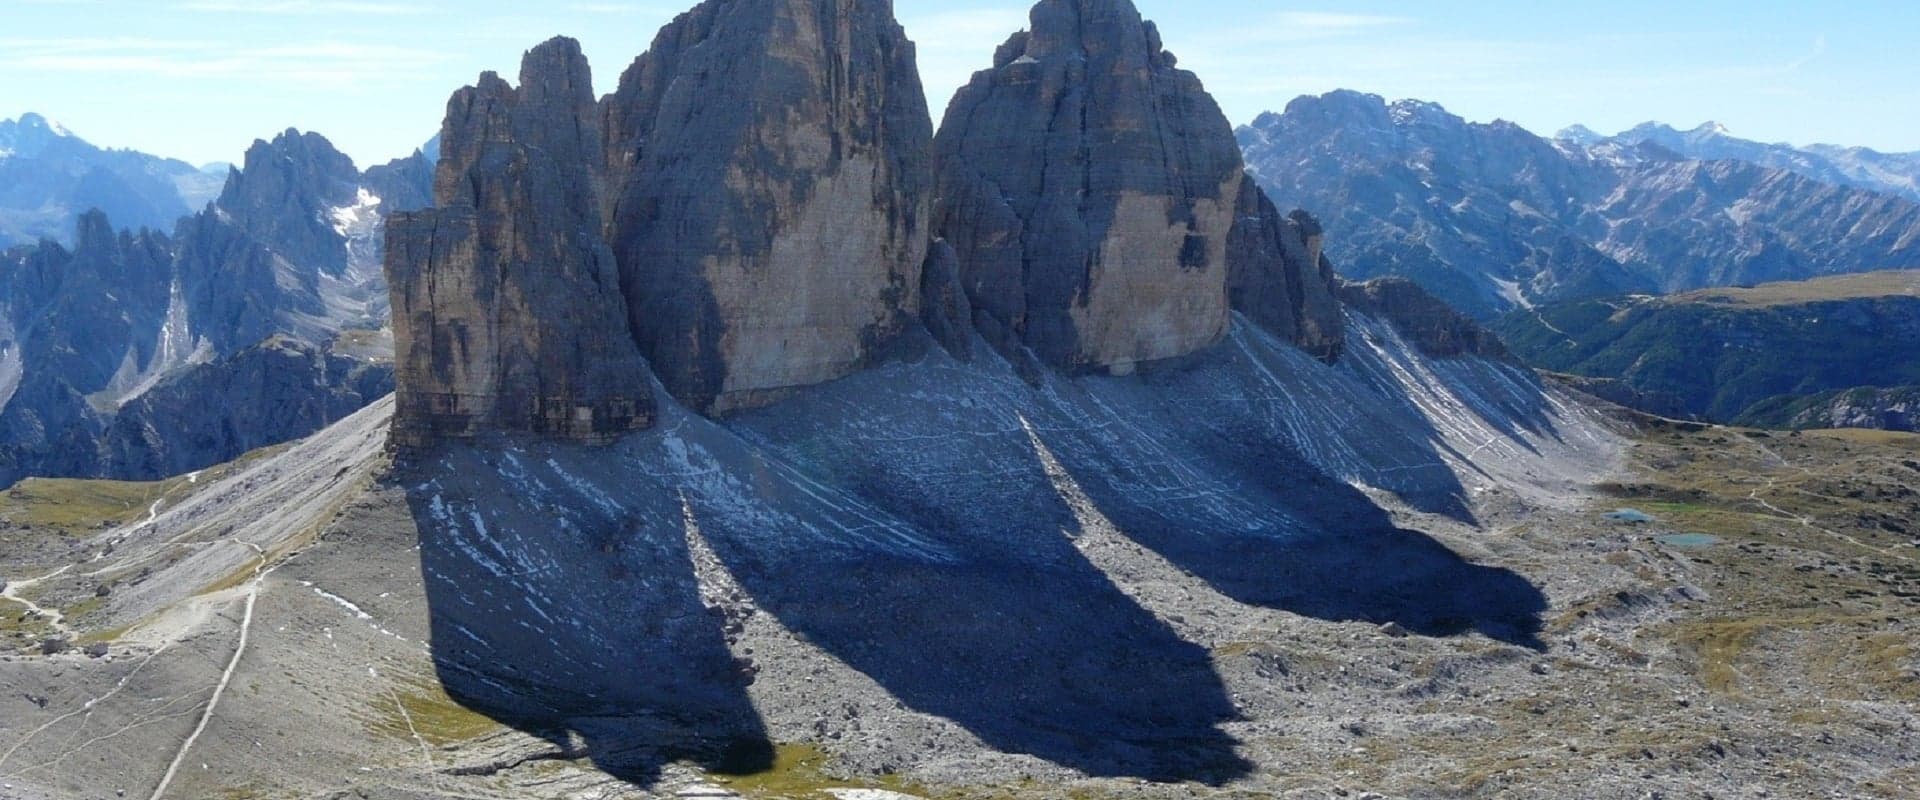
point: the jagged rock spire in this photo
(506, 312)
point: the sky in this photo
(201, 79)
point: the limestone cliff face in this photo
(1088, 187)
(769, 175)
(506, 312)
(1278, 278)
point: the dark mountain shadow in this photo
(1008, 631)
(1056, 663)
(1270, 529)
(578, 623)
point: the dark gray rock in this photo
(1278, 277)
(206, 414)
(403, 184)
(943, 301)
(506, 309)
(1088, 187)
(768, 167)
(1430, 325)
(78, 326)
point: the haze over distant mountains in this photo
(140, 351)
(1492, 217)
(1859, 167)
(49, 176)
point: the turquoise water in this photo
(1629, 515)
(1688, 541)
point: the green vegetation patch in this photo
(1834, 287)
(74, 507)
(422, 706)
(801, 771)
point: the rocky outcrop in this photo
(1278, 277)
(768, 167)
(1430, 325)
(403, 184)
(944, 308)
(1894, 408)
(506, 309)
(1089, 187)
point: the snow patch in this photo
(1511, 291)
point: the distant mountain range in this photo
(136, 353)
(1492, 217)
(1859, 167)
(49, 176)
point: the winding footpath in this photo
(260, 572)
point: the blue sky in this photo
(200, 79)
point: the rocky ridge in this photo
(1491, 218)
(49, 176)
(1859, 167)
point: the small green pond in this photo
(1688, 541)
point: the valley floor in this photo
(285, 654)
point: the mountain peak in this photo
(34, 121)
(1711, 128)
(31, 134)
(1579, 134)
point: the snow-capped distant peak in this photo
(1711, 127)
(32, 120)
(1579, 134)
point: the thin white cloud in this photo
(1819, 49)
(332, 63)
(329, 7)
(1327, 22)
